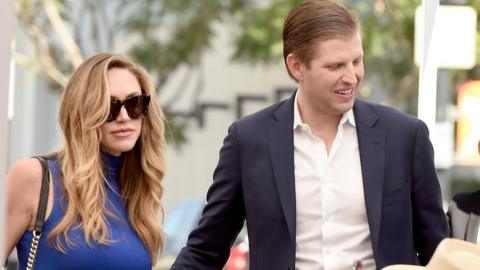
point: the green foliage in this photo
(260, 31)
(388, 35)
(462, 185)
(387, 31)
(164, 35)
(175, 32)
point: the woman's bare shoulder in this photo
(27, 169)
(24, 178)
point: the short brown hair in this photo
(315, 21)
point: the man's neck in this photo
(322, 125)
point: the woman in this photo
(105, 193)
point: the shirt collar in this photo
(297, 119)
(348, 117)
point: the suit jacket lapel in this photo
(280, 141)
(371, 143)
(471, 232)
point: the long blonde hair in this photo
(84, 109)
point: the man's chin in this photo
(345, 108)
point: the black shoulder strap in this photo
(44, 190)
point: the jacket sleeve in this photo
(429, 221)
(208, 246)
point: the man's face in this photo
(330, 83)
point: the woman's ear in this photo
(295, 66)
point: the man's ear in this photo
(295, 67)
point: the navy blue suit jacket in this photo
(255, 181)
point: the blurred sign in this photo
(468, 123)
(454, 37)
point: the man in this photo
(324, 180)
(464, 215)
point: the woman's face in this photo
(121, 134)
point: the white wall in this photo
(6, 30)
(34, 128)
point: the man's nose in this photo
(350, 76)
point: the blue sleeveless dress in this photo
(127, 252)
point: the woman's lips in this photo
(124, 132)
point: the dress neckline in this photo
(111, 167)
(111, 162)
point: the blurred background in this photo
(214, 61)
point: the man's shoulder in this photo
(262, 116)
(386, 113)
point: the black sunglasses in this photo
(136, 107)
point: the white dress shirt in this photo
(332, 227)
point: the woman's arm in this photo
(23, 191)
